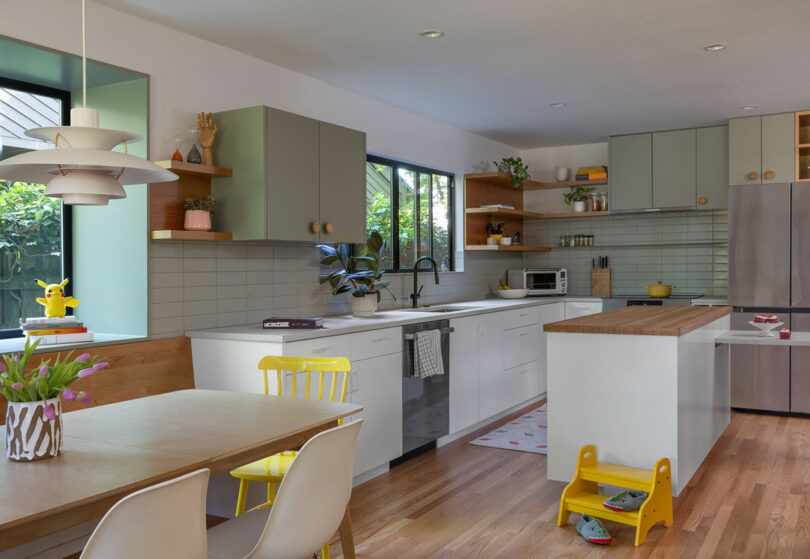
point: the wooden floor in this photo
(748, 499)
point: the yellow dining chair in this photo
(271, 470)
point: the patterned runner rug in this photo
(527, 433)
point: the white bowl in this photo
(512, 293)
(765, 328)
(506, 241)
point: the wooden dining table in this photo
(111, 451)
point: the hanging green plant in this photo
(515, 168)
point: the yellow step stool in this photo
(582, 494)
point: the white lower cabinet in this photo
(464, 373)
(491, 398)
(523, 382)
(573, 309)
(376, 384)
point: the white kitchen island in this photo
(640, 383)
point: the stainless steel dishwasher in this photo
(425, 401)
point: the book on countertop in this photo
(46, 320)
(54, 331)
(301, 323)
(51, 326)
(65, 338)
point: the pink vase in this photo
(197, 220)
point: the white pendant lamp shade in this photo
(81, 169)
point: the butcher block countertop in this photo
(642, 320)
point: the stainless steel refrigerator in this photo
(769, 273)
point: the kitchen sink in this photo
(442, 309)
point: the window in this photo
(412, 208)
(33, 226)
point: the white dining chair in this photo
(309, 506)
(164, 521)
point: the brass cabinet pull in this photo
(316, 227)
(753, 175)
(769, 175)
(702, 200)
(329, 227)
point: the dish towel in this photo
(427, 354)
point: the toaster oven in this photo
(539, 281)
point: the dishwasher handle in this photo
(442, 330)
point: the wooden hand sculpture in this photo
(207, 131)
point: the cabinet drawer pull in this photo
(702, 200)
(523, 333)
(329, 227)
(379, 339)
(769, 175)
(753, 175)
(316, 227)
(523, 314)
(320, 349)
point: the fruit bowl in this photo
(512, 293)
(765, 328)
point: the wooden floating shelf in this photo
(535, 215)
(195, 169)
(502, 179)
(515, 248)
(662, 244)
(191, 236)
(574, 214)
(802, 146)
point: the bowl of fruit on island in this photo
(766, 323)
(506, 292)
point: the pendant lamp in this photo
(81, 169)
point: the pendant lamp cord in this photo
(84, 58)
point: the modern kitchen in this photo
(316, 307)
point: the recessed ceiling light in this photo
(557, 105)
(432, 34)
(749, 107)
(714, 47)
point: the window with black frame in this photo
(34, 229)
(412, 208)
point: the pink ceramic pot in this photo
(197, 220)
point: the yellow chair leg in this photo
(271, 493)
(325, 551)
(242, 499)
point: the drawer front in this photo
(524, 382)
(575, 309)
(521, 345)
(375, 343)
(521, 317)
(332, 346)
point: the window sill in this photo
(18, 344)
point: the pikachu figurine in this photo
(55, 301)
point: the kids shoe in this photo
(626, 501)
(592, 530)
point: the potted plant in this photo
(34, 412)
(360, 275)
(515, 168)
(494, 231)
(577, 196)
(198, 213)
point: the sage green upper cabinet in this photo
(673, 169)
(712, 168)
(294, 178)
(761, 149)
(343, 184)
(630, 172)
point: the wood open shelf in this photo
(191, 236)
(803, 146)
(532, 215)
(502, 179)
(514, 248)
(166, 213)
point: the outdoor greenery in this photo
(361, 275)
(30, 247)
(515, 168)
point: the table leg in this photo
(346, 537)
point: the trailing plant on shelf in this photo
(495, 229)
(577, 194)
(205, 204)
(515, 168)
(361, 275)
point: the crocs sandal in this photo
(592, 530)
(626, 501)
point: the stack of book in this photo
(48, 331)
(299, 323)
(591, 173)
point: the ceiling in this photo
(620, 65)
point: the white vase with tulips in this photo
(34, 412)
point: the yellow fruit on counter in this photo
(502, 285)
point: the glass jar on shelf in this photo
(603, 198)
(595, 202)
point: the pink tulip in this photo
(84, 397)
(17, 359)
(2, 367)
(102, 365)
(49, 412)
(43, 371)
(86, 372)
(68, 395)
(17, 386)
(83, 357)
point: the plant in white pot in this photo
(360, 275)
(577, 197)
(34, 412)
(198, 213)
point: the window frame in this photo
(451, 198)
(67, 211)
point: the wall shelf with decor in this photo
(651, 244)
(513, 248)
(166, 201)
(502, 179)
(803, 146)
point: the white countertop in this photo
(18, 344)
(347, 324)
(752, 337)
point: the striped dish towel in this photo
(427, 354)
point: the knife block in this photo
(600, 282)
